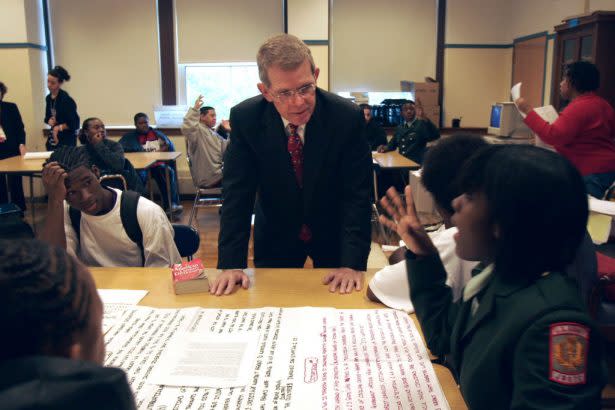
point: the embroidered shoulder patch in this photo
(568, 344)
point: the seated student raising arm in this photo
(52, 347)
(520, 336)
(104, 226)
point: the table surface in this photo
(140, 160)
(269, 287)
(393, 159)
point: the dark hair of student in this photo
(44, 301)
(406, 102)
(70, 158)
(583, 76)
(140, 115)
(204, 110)
(442, 164)
(3, 89)
(83, 137)
(365, 106)
(537, 200)
(60, 73)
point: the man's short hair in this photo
(140, 115)
(205, 110)
(442, 164)
(365, 106)
(70, 158)
(405, 102)
(44, 299)
(284, 51)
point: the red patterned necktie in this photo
(295, 149)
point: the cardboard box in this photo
(189, 277)
(426, 93)
(433, 113)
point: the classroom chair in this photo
(187, 240)
(205, 197)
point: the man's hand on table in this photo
(345, 279)
(225, 283)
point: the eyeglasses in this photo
(304, 91)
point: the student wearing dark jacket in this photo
(12, 143)
(60, 111)
(108, 155)
(375, 134)
(145, 139)
(520, 337)
(52, 348)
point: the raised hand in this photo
(404, 221)
(198, 103)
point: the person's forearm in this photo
(53, 230)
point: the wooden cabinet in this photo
(590, 38)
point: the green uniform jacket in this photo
(412, 141)
(502, 355)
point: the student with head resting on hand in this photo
(52, 347)
(108, 155)
(520, 336)
(105, 222)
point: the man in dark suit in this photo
(304, 152)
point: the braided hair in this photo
(70, 158)
(44, 298)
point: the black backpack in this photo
(128, 215)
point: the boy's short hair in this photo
(443, 163)
(537, 200)
(70, 158)
(205, 109)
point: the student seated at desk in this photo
(520, 337)
(440, 169)
(108, 155)
(412, 136)
(102, 230)
(52, 347)
(146, 139)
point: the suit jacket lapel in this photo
(317, 141)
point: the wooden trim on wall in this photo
(440, 39)
(46, 25)
(285, 15)
(168, 64)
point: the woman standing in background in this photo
(60, 111)
(12, 143)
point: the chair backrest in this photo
(187, 240)
(114, 181)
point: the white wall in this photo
(110, 48)
(478, 22)
(374, 45)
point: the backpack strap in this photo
(75, 221)
(128, 214)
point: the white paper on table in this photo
(115, 302)
(390, 286)
(201, 359)
(37, 155)
(306, 358)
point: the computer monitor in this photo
(505, 121)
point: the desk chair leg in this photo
(32, 211)
(168, 183)
(385, 237)
(151, 186)
(375, 184)
(194, 207)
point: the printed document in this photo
(305, 358)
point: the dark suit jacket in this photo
(13, 127)
(66, 113)
(334, 202)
